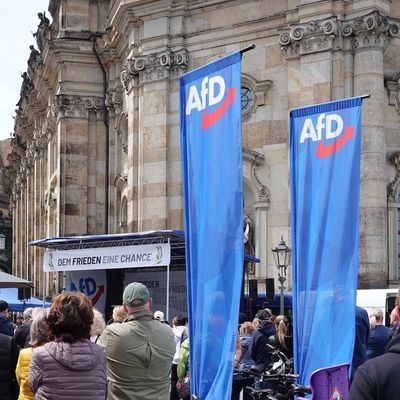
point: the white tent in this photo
(11, 281)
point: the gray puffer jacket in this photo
(65, 371)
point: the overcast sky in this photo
(18, 20)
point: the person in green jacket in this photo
(139, 351)
(183, 365)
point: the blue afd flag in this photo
(325, 183)
(211, 142)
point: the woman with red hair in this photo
(70, 366)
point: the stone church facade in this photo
(96, 143)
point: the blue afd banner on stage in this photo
(325, 183)
(211, 143)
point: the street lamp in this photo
(282, 259)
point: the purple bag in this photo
(183, 387)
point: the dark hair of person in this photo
(70, 317)
(181, 320)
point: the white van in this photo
(378, 298)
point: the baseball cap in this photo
(3, 305)
(136, 294)
(159, 315)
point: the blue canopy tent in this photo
(175, 239)
(10, 295)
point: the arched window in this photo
(247, 99)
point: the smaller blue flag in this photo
(325, 184)
(211, 142)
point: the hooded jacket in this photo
(66, 371)
(258, 345)
(6, 326)
(378, 378)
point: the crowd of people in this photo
(378, 358)
(69, 352)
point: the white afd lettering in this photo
(212, 89)
(331, 123)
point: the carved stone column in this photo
(77, 177)
(154, 77)
(311, 66)
(370, 35)
(362, 42)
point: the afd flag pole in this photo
(252, 47)
(211, 144)
(325, 147)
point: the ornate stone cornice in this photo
(393, 185)
(166, 64)
(121, 127)
(256, 159)
(373, 29)
(114, 101)
(76, 106)
(308, 38)
(47, 131)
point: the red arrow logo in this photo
(209, 119)
(97, 296)
(328, 149)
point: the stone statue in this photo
(44, 21)
(42, 27)
(26, 86)
(248, 240)
(33, 56)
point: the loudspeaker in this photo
(24, 293)
(270, 289)
(253, 291)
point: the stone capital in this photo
(114, 101)
(73, 106)
(370, 30)
(310, 37)
(166, 64)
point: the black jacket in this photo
(258, 349)
(6, 326)
(22, 335)
(378, 378)
(8, 362)
(361, 339)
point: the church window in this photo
(247, 99)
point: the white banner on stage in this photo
(146, 255)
